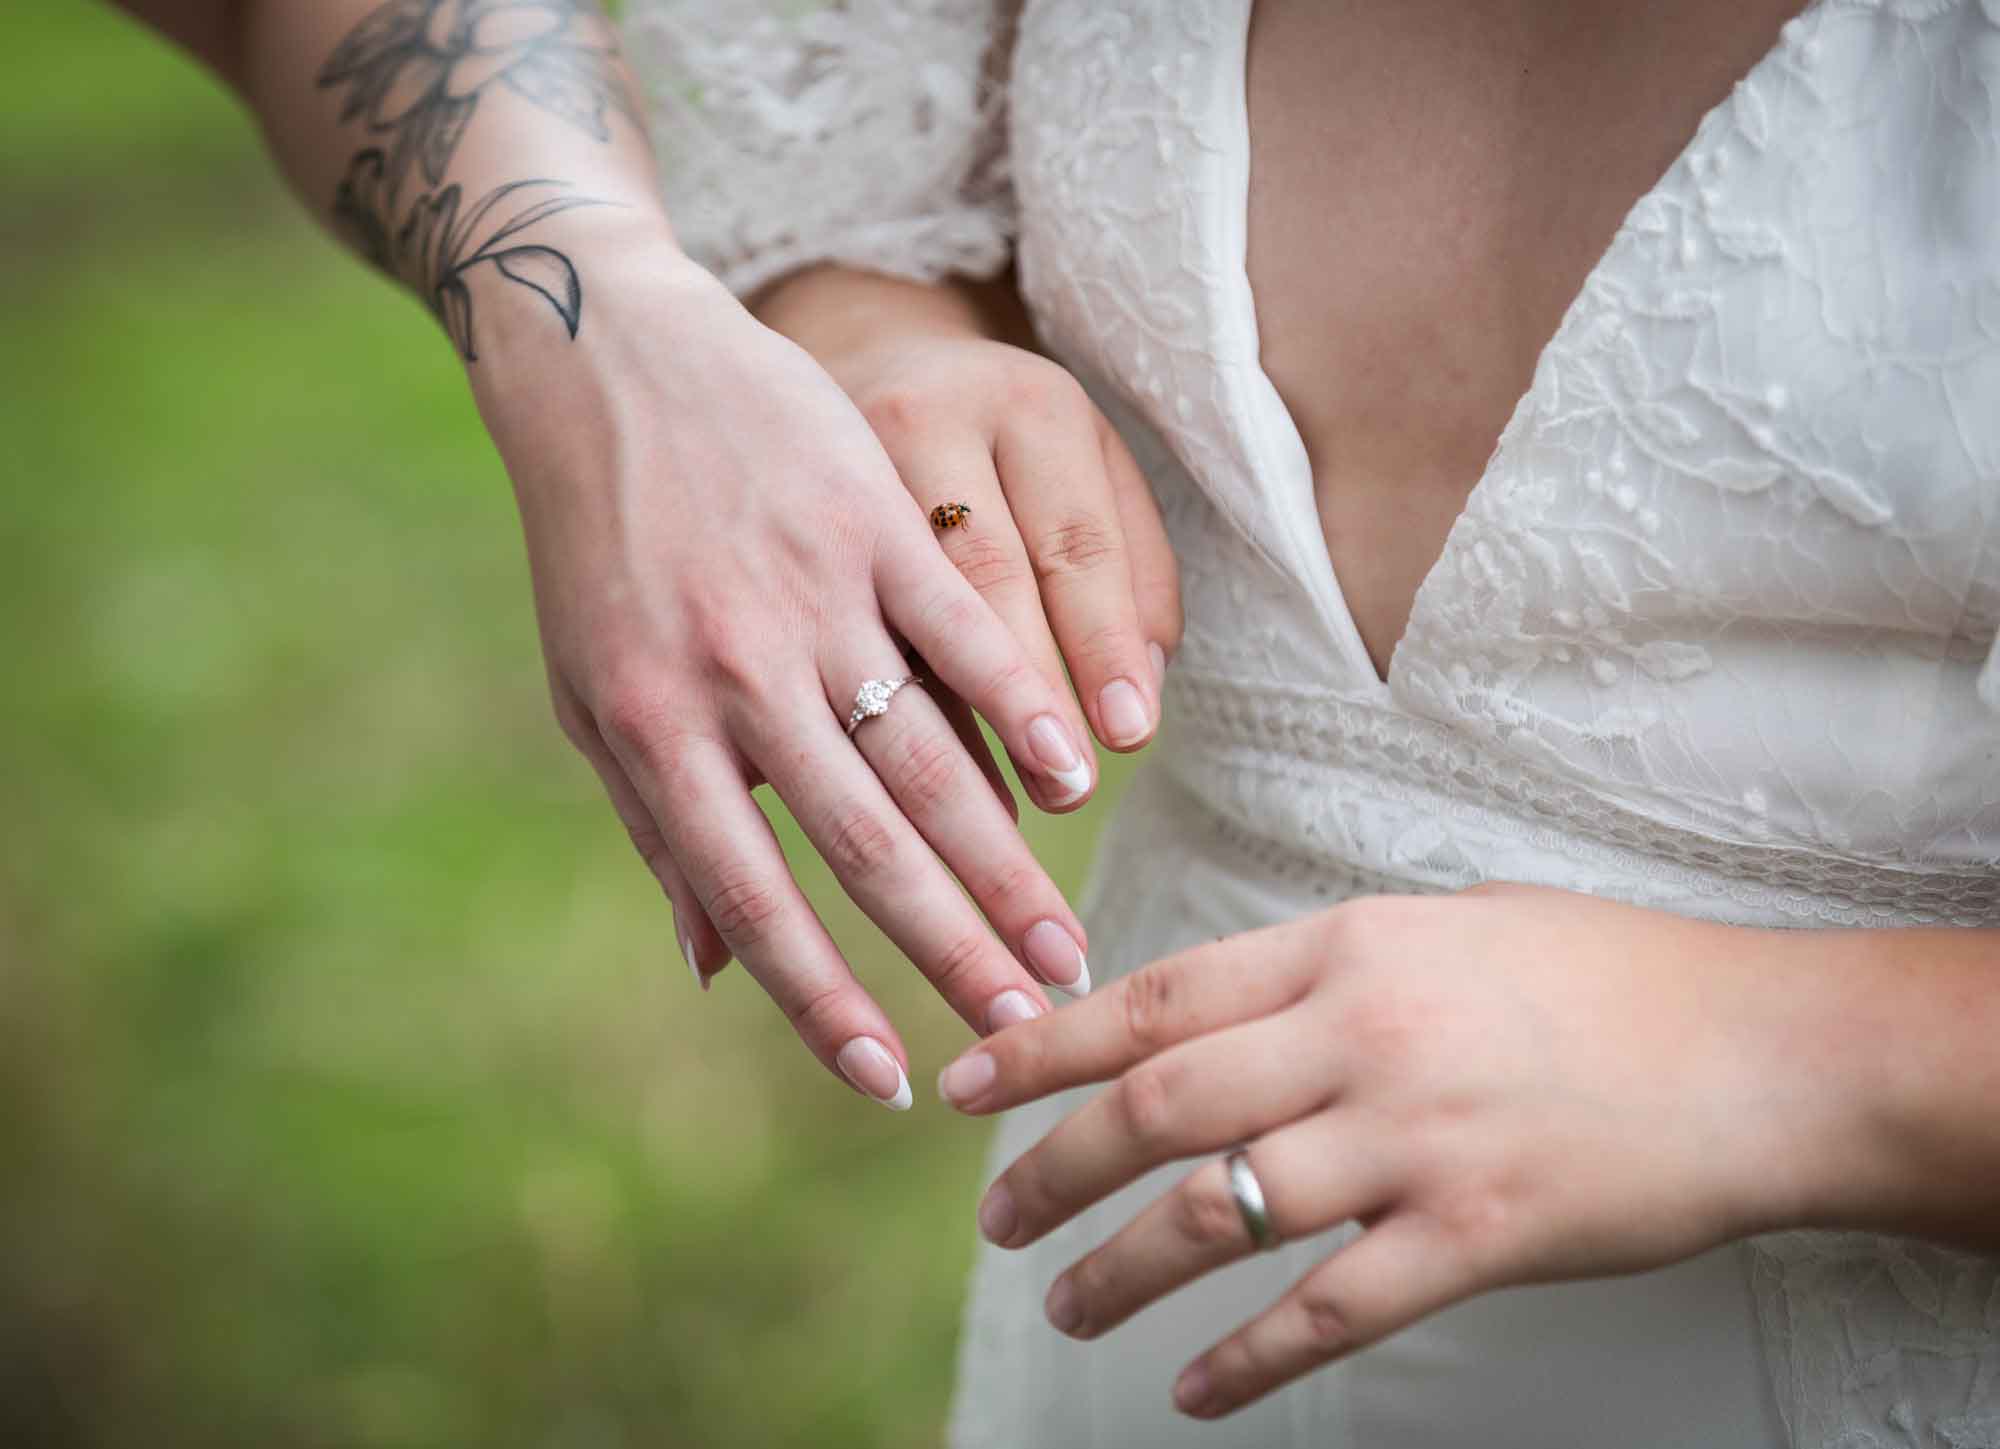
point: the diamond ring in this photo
(873, 698)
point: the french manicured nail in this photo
(687, 955)
(867, 1063)
(1056, 957)
(1064, 1312)
(1010, 1008)
(1057, 753)
(1121, 709)
(1159, 664)
(1191, 1389)
(966, 1078)
(996, 1214)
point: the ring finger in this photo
(878, 856)
(1315, 1173)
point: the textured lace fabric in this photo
(1715, 632)
(865, 133)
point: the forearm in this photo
(1895, 1048)
(477, 154)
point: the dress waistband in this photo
(1302, 780)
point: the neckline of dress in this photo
(1283, 465)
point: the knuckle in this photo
(642, 722)
(1325, 1319)
(1205, 1214)
(1020, 881)
(859, 843)
(959, 960)
(987, 564)
(895, 412)
(744, 909)
(1075, 543)
(1149, 1001)
(1145, 1104)
(924, 772)
(816, 1016)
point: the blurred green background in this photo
(351, 1089)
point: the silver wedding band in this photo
(1249, 1195)
(873, 698)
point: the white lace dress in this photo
(1715, 632)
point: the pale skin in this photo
(1611, 1089)
(721, 548)
(1512, 1084)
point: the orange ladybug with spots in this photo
(950, 515)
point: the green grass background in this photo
(351, 1089)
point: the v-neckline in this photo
(1286, 467)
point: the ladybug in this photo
(950, 515)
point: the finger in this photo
(973, 654)
(1200, 990)
(882, 862)
(1396, 1272)
(965, 724)
(1156, 585)
(1051, 466)
(914, 753)
(702, 946)
(1316, 1174)
(697, 795)
(987, 551)
(1202, 1096)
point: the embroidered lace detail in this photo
(864, 132)
(1440, 809)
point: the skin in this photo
(1509, 1085)
(720, 546)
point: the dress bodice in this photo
(1731, 576)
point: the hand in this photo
(1509, 1085)
(721, 554)
(1064, 540)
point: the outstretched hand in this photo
(1508, 1085)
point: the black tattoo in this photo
(417, 68)
(433, 251)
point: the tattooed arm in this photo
(721, 550)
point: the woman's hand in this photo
(1064, 540)
(1513, 1084)
(722, 554)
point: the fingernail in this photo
(1064, 1312)
(1057, 753)
(1010, 1008)
(867, 1064)
(967, 1077)
(1159, 663)
(687, 955)
(1121, 709)
(1056, 957)
(1191, 1389)
(996, 1214)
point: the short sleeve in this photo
(870, 133)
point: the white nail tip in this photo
(1074, 781)
(850, 1060)
(687, 955)
(1080, 986)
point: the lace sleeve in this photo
(866, 132)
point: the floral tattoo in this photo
(434, 250)
(414, 73)
(417, 68)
